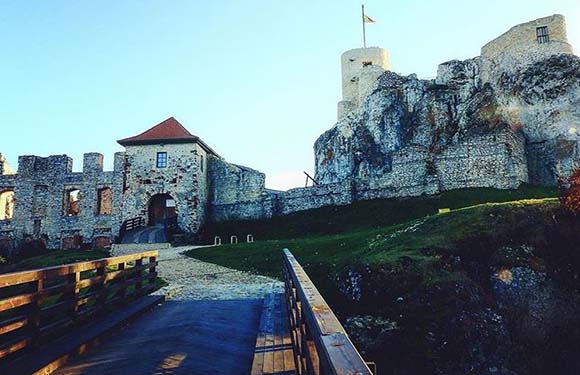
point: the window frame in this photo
(542, 35)
(162, 159)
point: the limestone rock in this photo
(413, 136)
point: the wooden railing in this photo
(40, 304)
(321, 345)
(130, 224)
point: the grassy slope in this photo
(323, 254)
(366, 215)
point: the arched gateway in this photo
(162, 209)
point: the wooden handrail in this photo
(321, 345)
(130, 224)
(38, 304)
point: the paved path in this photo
(208, 325)
(193, 279)
(153, 234)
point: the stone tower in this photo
(165, 176)
(360, 69)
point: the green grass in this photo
(368, 215)
(432, 237)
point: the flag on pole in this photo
(367, 19)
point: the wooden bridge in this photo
(97, 318)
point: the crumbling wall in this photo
(237, 192)
(40, 188)
(519, 46)
(306, 198)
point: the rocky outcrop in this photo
(413, 136)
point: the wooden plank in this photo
(258, 362)
(13, 347)
(93, 281)
(345, 359)
(128, 272)
(289, 364)
(15, 278)
(49, 357)
(268, 367)
(336, 353)
(278, 340)
(21, 300)
(13, 324)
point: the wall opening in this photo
(161, 159)
(542, 34)
(162, 209)
(72, 202)
(104, 201)
(367, 63)
(7, 205)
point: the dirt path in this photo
(192, 279)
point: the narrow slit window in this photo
(161, 159)
(542, 34)
(201, 162)
(367, 63)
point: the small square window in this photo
(161, 159)
(542, 34)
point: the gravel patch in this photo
(192, 279)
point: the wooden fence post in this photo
(102, 289)
(152, 272)
(138, 275)
(122, 294)
(36, 309)
(74, 278)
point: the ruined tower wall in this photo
(238, 192)
(519, 46)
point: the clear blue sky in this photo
(257, 80)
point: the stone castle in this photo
(507, 117)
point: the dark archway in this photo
(161, 209)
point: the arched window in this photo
(104, 201)
(7, 205)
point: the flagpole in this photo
(364, 31)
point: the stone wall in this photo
(41, 187)
(489, 160)
(237, 192)
(182, 179)
(360, 69)
(519, 46)
(307, 198)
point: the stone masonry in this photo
(507, 117)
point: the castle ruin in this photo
(507, 117)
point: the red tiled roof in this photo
(168, 131)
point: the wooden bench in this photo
(274, 353)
